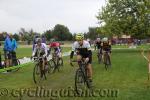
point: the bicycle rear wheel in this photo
(36, 74)
(79, 82)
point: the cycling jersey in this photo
(40, 51)
(84, 50)
(54, 44)
(98, 44)
(106, 46)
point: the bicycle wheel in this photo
(52, 66)
(79, 82)
(36, 74)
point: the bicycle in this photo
(81, 78)
(37, 71)
(107, 61)
(55, 62)
(99, 56)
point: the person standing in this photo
(7, 51)
(14, 47)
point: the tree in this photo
(16, 36)
(61, 33)
(48, 35)
(92, 33)
(130, 17)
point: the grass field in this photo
(128, 75)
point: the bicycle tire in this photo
(36, 71)
(78, 76)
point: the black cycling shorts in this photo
(84, 56)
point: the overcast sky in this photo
(41, 15)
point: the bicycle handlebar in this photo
(36, 58)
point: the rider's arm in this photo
(72, 52)
(34, 51)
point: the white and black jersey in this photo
(84, 50)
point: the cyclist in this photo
(35, 41)
(106, 47)
(40, 50)
(98, 45)
(8, 50)
(57, 48)
(83, 51)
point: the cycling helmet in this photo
(105, 39)
(39, 40)
(79, 36)
(98, 39)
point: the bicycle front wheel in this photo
(79, 82)
(36, 74)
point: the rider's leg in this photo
(43, 64)
(79, 57)
(59, 55)
(89, 71)
(103, 55)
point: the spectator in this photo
(14, 47)
(7, 51)
(34, 41)
(43, 39)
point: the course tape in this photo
(14, 67)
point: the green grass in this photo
(128, 75)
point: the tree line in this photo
(129, 17)
(59, 33)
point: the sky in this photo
(42, 15)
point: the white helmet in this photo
(105, 39)
(98, 39)
(88, 39)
